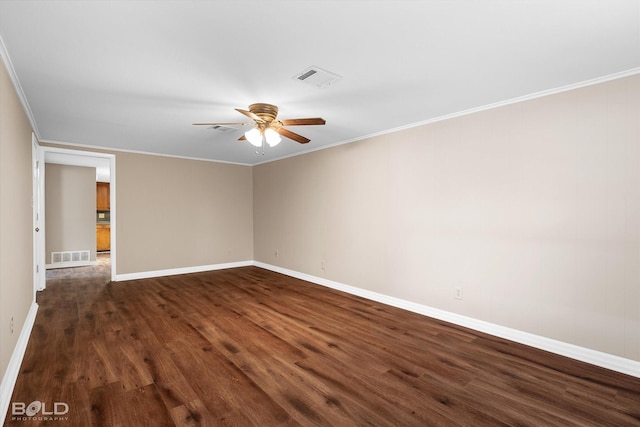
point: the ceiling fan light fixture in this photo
(254, 136)
(272, 137)
(267, 127)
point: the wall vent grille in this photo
(70, 257)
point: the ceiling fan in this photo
(267, 127)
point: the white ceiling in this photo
(135, 75)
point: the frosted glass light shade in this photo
(254, 136)
(272, 137)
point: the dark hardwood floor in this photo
(249, 347)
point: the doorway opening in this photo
(70, 218)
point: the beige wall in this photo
(175, 213)
(70, 203)
(16, 240)
(532, 208)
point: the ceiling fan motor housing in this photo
(266, 112)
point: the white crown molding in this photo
(13, 369)
(548, 92)
(593, 357)
(147, 153)
(4, 54)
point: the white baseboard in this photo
(594, 357)
(183, 270)
(13, 369)
(597, 358)
(70, 264)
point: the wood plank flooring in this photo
(249, 347)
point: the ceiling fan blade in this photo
(242, 138)
(224, 124)
(249, 114)
(292, 135)
(302, 122)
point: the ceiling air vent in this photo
(219, 128)
(318, 77)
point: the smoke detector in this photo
(317, 77)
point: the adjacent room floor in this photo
(247, 346)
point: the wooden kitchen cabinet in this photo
(103, 237)
(102, 196)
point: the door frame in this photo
(39, 270)
(75, 158)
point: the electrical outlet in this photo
(323, 265)
(276, 253)
(459, 294)
(11, 325)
